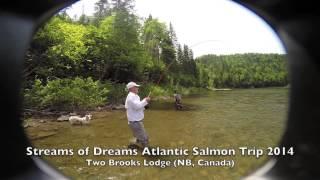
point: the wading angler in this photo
(135, 114)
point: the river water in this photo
(221, 120)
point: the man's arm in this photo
(136, 104)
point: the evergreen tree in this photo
(192, 67)
(179, 55)
(83, 19)
(63, 15)
(185, 59)
(173, 36)
(122, 5)
(102, 10)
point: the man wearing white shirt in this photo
(135, 113)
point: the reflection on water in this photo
(222, 119)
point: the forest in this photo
(249, 70)
(85, 62)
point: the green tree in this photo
(123, 5)
(102, 9)
(56, 51)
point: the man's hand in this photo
(147, 99)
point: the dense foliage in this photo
(66, 94)
(85, 62)
(243, 70)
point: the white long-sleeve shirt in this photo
(135, 107)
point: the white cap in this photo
(132, 84)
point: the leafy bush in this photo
(187, 81)
(33, 96)
(83, 94)
(117, 93)
(66, 94)
(157, 92)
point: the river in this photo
(252, 118)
